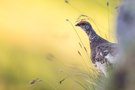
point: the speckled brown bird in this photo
(101, 49)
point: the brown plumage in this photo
(98, 46)
(95, 39)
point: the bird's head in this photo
(86, 26)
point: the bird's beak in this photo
(78, 24)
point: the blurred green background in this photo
(39, 48)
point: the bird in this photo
(98, 45)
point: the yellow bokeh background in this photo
(30, 29)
